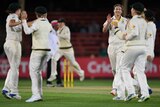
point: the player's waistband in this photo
(65, 47)
(41, 49)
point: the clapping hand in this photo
(109, 18)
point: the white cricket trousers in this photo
(133, 56)
(140, 76)
(117, 81)
(37, 61)
(147, 65)
(69, 55)
(13, 51)
(115, 55)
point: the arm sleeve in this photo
(17, 28)
(106, 26)
(150, 32)
(28, 30)
(150, 40)
(132, 31)
(150, 47)
(53, 42)
(65, 33)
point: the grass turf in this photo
(90, 93)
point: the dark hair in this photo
(149, 15)
(13, 7)
(40, 10)
(129, 16)
(139, 7)
(61, 20)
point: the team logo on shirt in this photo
(133, 26)
(149, 34)
(122, 20)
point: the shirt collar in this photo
(115, 18)
(137, 16)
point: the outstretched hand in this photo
(109, 18)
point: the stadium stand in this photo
(85, 44)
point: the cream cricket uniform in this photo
(12, 48)
(53, 42)
(151, 36)
(40, 30)
(54, 46)
(115, 44)
(66, 49)
(135, 54)
(115, 54)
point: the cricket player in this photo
(53, 39)
(151, 35)
(12, 48)
(40, 30)
(66, 50)
(115, 48)
(134, 52)
(54, 45)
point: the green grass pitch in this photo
(90, 93)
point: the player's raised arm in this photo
(107, 23)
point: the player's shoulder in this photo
(133, 20)
(151, 25)
(66, 27)
(124, 20)
(35, 21)
(123, 17)
(12, 16)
